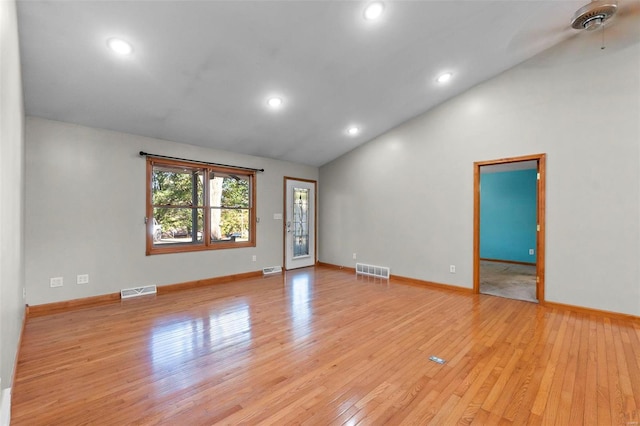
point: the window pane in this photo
(230, 225)
(228, 190)
(176, 225)
(177, 186)
(300, 222)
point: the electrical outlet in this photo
(254, 258)
(56, 282)
(24, 292)
(354, 256)
(452, 269)
(82, 279)
(531, 252)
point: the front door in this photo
(299, 223)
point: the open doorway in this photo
(509, 211)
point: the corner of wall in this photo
(5, 407)
(12, 195)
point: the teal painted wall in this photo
(508, 215)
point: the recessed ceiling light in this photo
(443, 78)
(353, 130)
(119, 46)
(373, 10)
(274, 102)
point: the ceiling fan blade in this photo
(628, 8)
(618, 32)
(540, 39)
(623, 28)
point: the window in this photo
(192, 207)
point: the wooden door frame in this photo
(540, 237)
(284, 219)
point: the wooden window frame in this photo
(206, 243)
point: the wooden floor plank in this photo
(322, 346)
(625, 371)
(568, 385)
(602, 373)
(633, 361)
(548, 398)
(590, 409)
(616, 397)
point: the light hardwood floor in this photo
(320, 346)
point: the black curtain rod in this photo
(146, 154)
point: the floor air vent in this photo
(125, 293)
(271, 270)
(374, 271)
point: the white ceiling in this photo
(201, 71)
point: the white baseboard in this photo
(5, 407)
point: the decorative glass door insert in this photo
(300, 222)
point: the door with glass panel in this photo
(299, 223)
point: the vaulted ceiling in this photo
(201, 72)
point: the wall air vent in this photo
(372, 270)
(271, 270)
(126, 293)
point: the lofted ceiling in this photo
(201, 72)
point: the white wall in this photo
(11, 194)
(405, 200)
(85, 209)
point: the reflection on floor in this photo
(322, 346)
(510, 280)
